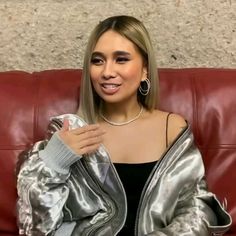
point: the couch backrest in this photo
(26, 103)
(205, 97)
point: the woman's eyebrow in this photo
(115, 53)
(121, 53)
(94, 54)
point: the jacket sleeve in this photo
(42, 187)
(199, 215)
(196, 211)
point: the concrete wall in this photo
(45, 34)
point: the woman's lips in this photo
(110, 88)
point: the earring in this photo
(145, 89)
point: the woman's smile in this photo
(110, 88)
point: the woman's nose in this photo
(109, 70)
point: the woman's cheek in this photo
(94, 73)
(96, 86)
(94, 78)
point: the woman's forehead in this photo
(113, 41)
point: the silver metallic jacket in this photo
(90, 198)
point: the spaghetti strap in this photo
(167, 124)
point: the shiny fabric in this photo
(174, 201)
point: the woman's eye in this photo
(96, 61)
(122, 59)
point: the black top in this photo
(133, 177)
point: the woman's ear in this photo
(144, 77)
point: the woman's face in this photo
(116, 68)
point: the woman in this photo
(126, 168)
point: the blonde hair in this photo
(134, 30)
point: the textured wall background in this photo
(45, 34)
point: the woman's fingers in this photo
(90, 134)
(82, 140)
(89, 141)
(66, 125)
(85, 129)
(89, 149)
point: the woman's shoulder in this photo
(176, 119)
(174, 123)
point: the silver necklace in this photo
(121, 123)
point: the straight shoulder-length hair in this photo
(134, 30)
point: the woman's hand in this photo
(83, 140)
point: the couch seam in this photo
(36, 105)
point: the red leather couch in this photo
(206, 97)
